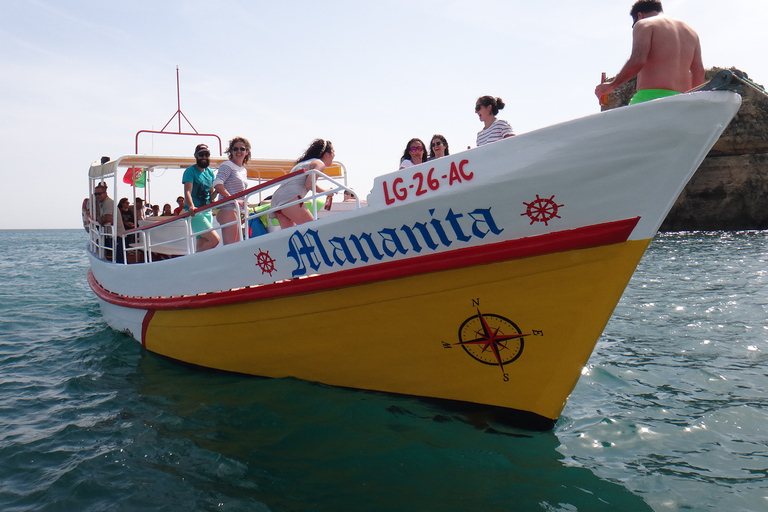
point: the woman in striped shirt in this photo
(231, 179)
(487, 107)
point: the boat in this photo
(481, 280)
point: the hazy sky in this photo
(79, 78)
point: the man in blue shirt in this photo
(198, 187)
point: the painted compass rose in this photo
(542, 210)
(265, 262)
(491, 339)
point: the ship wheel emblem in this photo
(492, 339)
(542, 210)
(265, 262)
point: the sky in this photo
(79, 79)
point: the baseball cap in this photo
(201, 147)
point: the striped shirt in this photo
(234, 178)
(497, 131)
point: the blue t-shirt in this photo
(201, 184)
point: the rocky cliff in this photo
(729, 191)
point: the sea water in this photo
(669, 414)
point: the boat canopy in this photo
(258, 169)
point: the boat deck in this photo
(158, 238)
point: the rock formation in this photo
(729, 191)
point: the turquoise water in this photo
(670, 413)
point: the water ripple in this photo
(670, 412)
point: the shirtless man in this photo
(666, 56)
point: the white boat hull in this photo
(544, 228)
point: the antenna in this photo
(178, 114)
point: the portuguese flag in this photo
(135, 176)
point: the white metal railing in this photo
(169, 239)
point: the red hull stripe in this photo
(144, 325)
(580, 238)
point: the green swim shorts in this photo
(202, 221)
(651, 94)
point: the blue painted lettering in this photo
(309, 251)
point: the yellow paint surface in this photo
(401, 335)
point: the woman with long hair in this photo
(438, 147)
(414, 153)
(318, 156)
(232, 178)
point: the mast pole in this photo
(178, 96)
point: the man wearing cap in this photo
(198, 186)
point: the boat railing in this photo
(100, 239)
(175, 236)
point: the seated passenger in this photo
(140, 213)
(167, 210)
(179, 209)
(318, 155)
(414, 154)
(126, 212)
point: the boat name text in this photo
(309, 251)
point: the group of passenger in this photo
(487, 108)
(202, 186)
(153, 210)
(416, 152)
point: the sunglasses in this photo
(478, 107)
(417, 148)
(99, 193)
(437, 144)
(204, 154)
(238, 149)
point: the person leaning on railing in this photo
(198, 183)
(318, 156)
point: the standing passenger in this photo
(104, 204)
(198, 183)
(666, 56)
(487, 107)
(231, 179)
